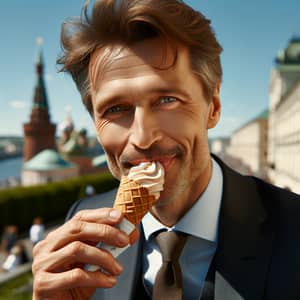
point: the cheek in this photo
(188, 128)
(104, 130)
(100, 126)
(182, 124)
(111, 136)
(171, 123)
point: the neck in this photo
(171, 212)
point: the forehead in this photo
(111, 62)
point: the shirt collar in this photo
(203, 217)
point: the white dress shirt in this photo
(201, 225)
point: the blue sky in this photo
(251, 33)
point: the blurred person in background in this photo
(149, 73)
(16, 257)
(37, 230)
(90, 191)
(9, 238)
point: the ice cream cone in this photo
(136, 194)
(133, 200)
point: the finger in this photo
(77, 253)
(106, 215)
(75, 230)
(46, 283)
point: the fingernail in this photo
(123, 239)
(119, 268)
(112, 280)
(114, 214)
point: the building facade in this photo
(219, 146)
(249, 146)
(284, 120)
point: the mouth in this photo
(166, 157)
(165, 161)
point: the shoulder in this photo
(275, 200)
(264, 188)
(101, 200)
(286, 203)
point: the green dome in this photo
(47, 160)
(291, 54)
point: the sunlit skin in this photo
(146, 113)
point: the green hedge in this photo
(51, 201)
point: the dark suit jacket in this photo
(258, 255)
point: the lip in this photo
(165, 161)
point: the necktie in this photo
(168, 281)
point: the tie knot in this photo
(170, 244)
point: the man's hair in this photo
(129, 21)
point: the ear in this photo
(214, 108)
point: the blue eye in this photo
(117, 109)
(114, 109)
(167, 99)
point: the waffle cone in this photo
(133, 200)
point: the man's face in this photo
(146, 113)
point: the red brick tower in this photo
(39, 133)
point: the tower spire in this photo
(40, 99)
(39, 132)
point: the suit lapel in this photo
(245, 240)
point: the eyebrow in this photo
(166, 91)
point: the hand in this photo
(58, 260)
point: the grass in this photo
(19, 288)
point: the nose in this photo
(145, 129)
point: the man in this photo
(149, 74)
